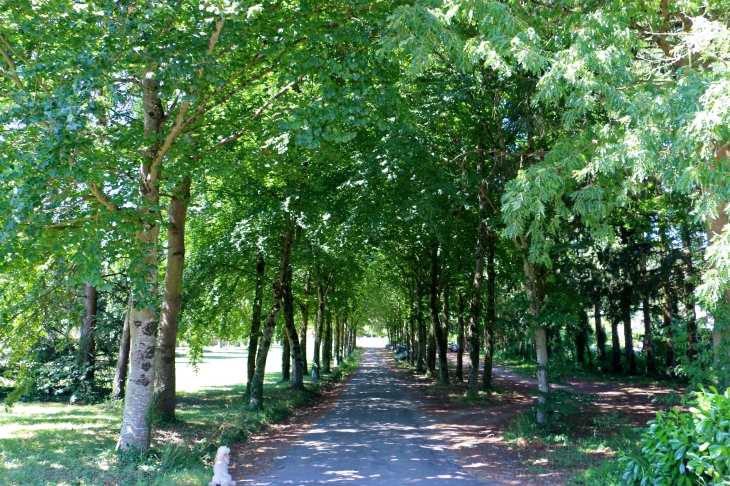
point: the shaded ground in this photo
(477, 429)
(472, 433)
(374, 434)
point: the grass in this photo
(589, 453)
(61, 444)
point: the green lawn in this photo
(61, 444)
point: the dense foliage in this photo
(686, 448)
(544, 180)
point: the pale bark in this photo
(171, 301)
(269, 325)
(253, 339)
(532, 289)
(87, 348)
(120, 376)
(135, 430)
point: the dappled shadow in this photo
(374, 434)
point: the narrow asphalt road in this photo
(373, 435)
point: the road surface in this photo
(373, 435)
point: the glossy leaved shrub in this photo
(685, 448)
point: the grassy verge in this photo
(588, 453)
(60, 444)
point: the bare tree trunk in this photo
(491, 313)
(436, 329)
(304, 308)
(475, 305)
(625, 301)
(337, 356)
(532, 288)
(285, 355)
(122, 358)
(257, 385)
(615, 346)
(581, 337)
(689, 304)
(297, 378)
(327, 348)
(721, 326)
(171, 301)
(670, 357)
(253, 339)
(421, 333)
(460, 342)
(319, 331)
(87, 348)
(412, 326)
(648, 338)
(600, 333)
(135, 430)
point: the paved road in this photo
(373, 435)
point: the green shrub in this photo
(685, 449)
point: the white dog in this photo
(220, 468)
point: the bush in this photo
(685, 449)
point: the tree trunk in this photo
(721, 326)
(297, 360)
(135, 430)
(625, 302)
(460, 342)
(122, 358)
(87, 348)
(253, 339)
(171, 300)
(648, 339)
(491, 313)
(581, 338)
(689, 303)
(600, 333)
(319, 330)
(422, 339)
(670, 357)
(615, 346)
(304, 308)
(285, 354)
(436, 329)
(337, 356)
(532, 288)
(257, 385)
(327, 348)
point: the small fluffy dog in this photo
(220, 468)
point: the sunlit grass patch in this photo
(61, 444)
